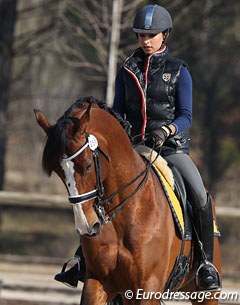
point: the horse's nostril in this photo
(95, 229)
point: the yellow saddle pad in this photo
(167, 180)
(173, 201)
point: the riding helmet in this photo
(152, 19)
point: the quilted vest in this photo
(150, 86)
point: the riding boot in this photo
(207, 277)
(74, 274)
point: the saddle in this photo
(173, 186)
(175, 191)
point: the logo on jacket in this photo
(166, 77)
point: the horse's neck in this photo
(125, 165)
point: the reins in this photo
(101, 203)
(118, 208)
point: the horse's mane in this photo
(55, 145)
(83, 100)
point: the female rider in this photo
(153, 92)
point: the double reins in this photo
(99, 192)
(144, 173)
(119, 206)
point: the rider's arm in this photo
(183, 117)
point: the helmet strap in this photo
(165, 36)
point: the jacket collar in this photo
(139, 56)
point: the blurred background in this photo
(52, 52)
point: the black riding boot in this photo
(74, 274)
(77, 273)
(207, 277)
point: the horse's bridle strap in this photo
(82, 198)
(92, 143)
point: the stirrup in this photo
(75, 257)
(73, 284)
(204, 263)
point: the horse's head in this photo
(77, 152)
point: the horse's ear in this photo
(42, 120)
(84, 121)
(80, 125)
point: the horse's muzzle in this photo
(94, 229)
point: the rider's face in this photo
(150, 43)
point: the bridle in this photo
(99, 193)
(92, 143)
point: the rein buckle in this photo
(101, 213)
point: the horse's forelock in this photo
(55, 145)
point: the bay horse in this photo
(128, 235)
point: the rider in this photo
(153, 91)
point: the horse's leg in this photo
(93, 293)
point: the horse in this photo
(128, 236)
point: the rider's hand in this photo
(158, 137)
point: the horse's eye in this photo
(88, 168)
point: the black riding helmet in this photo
(152, 19)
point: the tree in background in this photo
(41, 80)
(89, 37)
(213, 39)
(63, 49)
(7, 23)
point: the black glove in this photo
(157, 137)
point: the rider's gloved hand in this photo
(157, 137)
